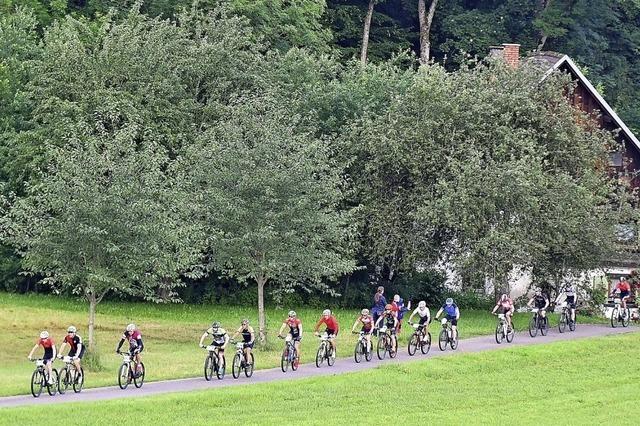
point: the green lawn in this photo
(171, 334)
(576, 382)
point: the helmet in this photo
(422, 304)
(131, 327)
(388, 307)
(364, 312)
(396, 298)
(215, 325)
(292, 314)
(380, 289)
(71, 329)
(326, 312)
(504, 296)
(449, 301)
(245, 321)
(622, 278)
(538, 292)
(44, 334)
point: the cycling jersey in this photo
(246, 334)
(570, 290)
(540, 301)
(367, 322)
(450, 310)
(135, 341)
(294, 327)
(331, 323)
(422, 313)
(73, 343)
(218, 336)
(389, 320)
(48, 345)
(623, 286)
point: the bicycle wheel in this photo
(37, 379)
(425, 346)
(443, 339)
(248, 369)
(625, 319)
(368, 353)
(357, 352)
(382, 348)
(209, 366)
(499, 333)
(562, 325)
(614, 317)
(320, 355)
(221, 369)
(53, 387)
(235, 366)
(393, 352)
(572, 325)
(533, 326)
(123, 376)
(65, 378)
(331, 357)
(284, 360)
(453, 342)
(511, 332)
(544, 326)
(78, 382)
(295, 360)
(414, 341)
(138, 380)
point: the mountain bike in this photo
(289, 355)
(363, 347)
(565, 319)
(419, 339)
(386, 342)
(211, 363)
(446, 336)
(40, 379)
(239, 362)
(70, 376)
(538, 322)
(504, 330)
(325, 352)
(619, 315)
(128, 373)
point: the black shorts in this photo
(504, 310)
(133, 351)
(366, 330)
(72, 353)
(452, 320)
(331, 333)
(424, 320)
(295, 337)
(624, 294)
(571, 302)
(248, 345)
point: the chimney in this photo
(511, 54)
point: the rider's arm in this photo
(140, 344)
(33, 350)
(378, 321)
(53, 347)
(395, 322)
(226, 340)
(78, 349)
(354, 325)
(62, 345)
(284, 324)
(253, 334)
(546, 303)
(202, 338)
(236, 333)
(530, 302)
(411, 316)
(495, 308)
(438, 313)
(457, 313)
(315, 330)
(120, 344)
(300, 329)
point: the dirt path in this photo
(345, 365)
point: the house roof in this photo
(554, 61)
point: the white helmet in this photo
(422, 304)
(292, 314)
(396, 298)
(131, 327)
(71, 329)
(365, 312)
(326, 312)
(44, 334)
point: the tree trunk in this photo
(262, 336)
(543, 36)
(365, 34)
(93, 302)
(426, 19)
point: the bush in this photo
(471, 300)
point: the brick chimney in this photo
(511, 54)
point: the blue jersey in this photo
(378, 307)
(450, 310)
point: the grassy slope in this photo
(561, 383)
(171, 333)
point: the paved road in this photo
(475, 344)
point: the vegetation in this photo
(473, 388)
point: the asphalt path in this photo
(344, 365)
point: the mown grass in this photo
(171, 334)
(587, 381)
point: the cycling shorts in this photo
(366, 330)
(248, 345)
(72, 353)
(624, 294)
(504, 310)
(331, 333)
(452, 320)
(295, 337)
(571, 302)
(424, 320)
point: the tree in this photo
(365, 32)
(267, 195)
(426, 19)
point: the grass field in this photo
(171, 334)
(575, 382)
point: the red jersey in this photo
(395, 309)
(330, 322)
(46, 343)
(623, 286)
(293, 323)
(367, 321)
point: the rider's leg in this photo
(246, 351)
(50, 369)
(454, 335)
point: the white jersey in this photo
(570, 290)
(422, 312)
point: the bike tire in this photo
(53, 388)
(295, 361)
(37, 383)
(426, 344)
(235, 366)
(544, 326)
(284, 360)
(499, 333)
(414, 341)
(393, 353)
(511, 333)
(332, 359)
(533, 327)
(358, 351)
(368, 354)
(78, 382)
(443, 339)
(221, 369)
(381, 348)
(562, 324)
(209, 367)
(572, 326)
(63, 383)
(320, 355)
(454, 342)
(248, 369)
(123, 376)
(614, 317)
(139, 381)
(625, 319)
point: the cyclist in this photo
(248, 337)
(367, 325)
(49, 352)
(391, 323)
(452, 313)
(505, 306)
(425, 317)
(540, 301)
(400, 309)
(332, 329)
(76, 347)
(624, 290)
(134, 337)
(295, 331)
(571, 298)
(220, 339)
